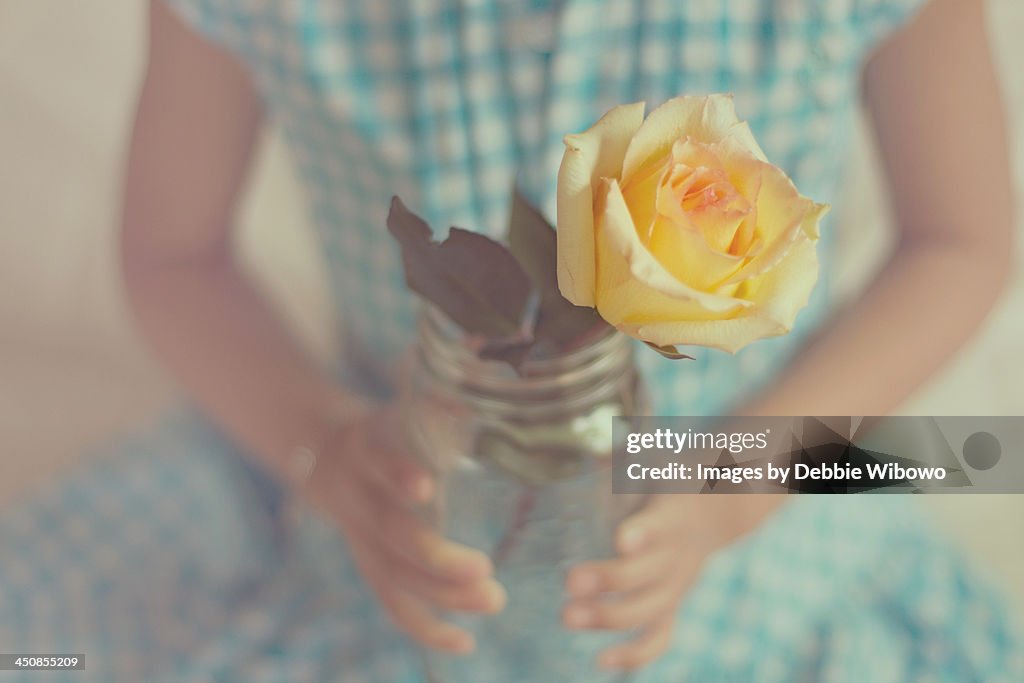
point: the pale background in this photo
(71, 371)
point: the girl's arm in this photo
(932, 93)
(934, 100)
(197, 120)
(195, 128)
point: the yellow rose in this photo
(678, 230)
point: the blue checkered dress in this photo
(171, 561)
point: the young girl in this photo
(173, 561)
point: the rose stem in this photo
(524, 508)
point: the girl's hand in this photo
(660, 551)
(371, 491)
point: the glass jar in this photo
(523, 464)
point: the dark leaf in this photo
(513, 352)
(532, 240)
(473, 279)
(514, 349)
(670, 352)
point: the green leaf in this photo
(560, 324)
(474, 280)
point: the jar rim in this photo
(445, 351)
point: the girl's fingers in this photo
(622, 574)
(485, 597)
(407, 612)
(626, 612)
(378, 456)
(394, 465)
(381, 521)
(415, 619)
(643, 649)
(663, 516)
(402, 479)
(423, 546)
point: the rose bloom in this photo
(678, 230)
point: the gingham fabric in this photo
(447, 103)
(171, 561)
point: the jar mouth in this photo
(446, 353)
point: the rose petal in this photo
(778, 297)
(741, 134)
(685, 253)
(632, 286)
(718, 227)
(728, 335)
(705, 119)
(773, 252)
(783, 214)
(595, 153)
(641, 195)
(743, 237)
(784, 290)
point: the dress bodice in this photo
(447, 103)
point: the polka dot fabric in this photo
(172, 561)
